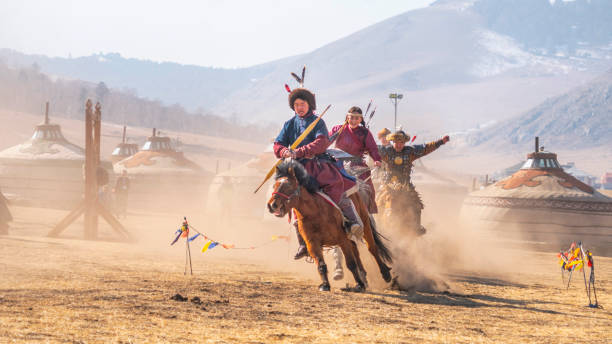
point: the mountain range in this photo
(459, 63)
(580, 118)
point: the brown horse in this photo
(401, 205)
(320, 223)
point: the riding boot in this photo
(302, 250)
(353, 224)
(338, 272)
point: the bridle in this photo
(295, 193)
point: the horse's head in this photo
(285, 194)
(286, 191)
(291, 176)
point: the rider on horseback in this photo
(311, 153)
(399, 158)
(356, 140)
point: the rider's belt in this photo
(318, 158)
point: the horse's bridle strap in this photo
(280, 194)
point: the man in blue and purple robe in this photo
(311, 154)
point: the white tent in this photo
(162, 177)
(543, 203)
(44, 170)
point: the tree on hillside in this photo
(101, 91)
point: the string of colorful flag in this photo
(183, 232)
(574, 259)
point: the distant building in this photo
(570, 168)
(541, 203)
(162, 177)
(45, 170)
(123, 149)
(606, 181)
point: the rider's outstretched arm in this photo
(422, 150)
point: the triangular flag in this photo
(179, 232)
(209, 246)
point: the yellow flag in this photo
(206, 246)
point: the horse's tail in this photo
(383, 250)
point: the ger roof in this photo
(158, 157)
(541, 183)
(47, 143)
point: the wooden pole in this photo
(47, 113)
(97, 126)
(91, 205)
(90, 176)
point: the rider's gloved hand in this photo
(445, 139)
(288, 153)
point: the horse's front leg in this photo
(322, 267)
(316, 252)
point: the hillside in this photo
(456, 61)
(27, 90)
(580, 118)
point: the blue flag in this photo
(193, 237)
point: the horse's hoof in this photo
(359, 288)
(324, 287)
(386, 275)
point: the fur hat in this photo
(398, 136)
(304, 94)
(384, 132)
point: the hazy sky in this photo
(205, 32)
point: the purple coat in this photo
(357, 142)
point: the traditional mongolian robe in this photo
(397, 181)
(357, 142)
(399, 164)
(311, 153)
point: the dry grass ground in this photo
(75, 291)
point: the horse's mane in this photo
(303, 178)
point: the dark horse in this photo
(320, 223)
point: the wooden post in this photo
(47, 113)
(91, 205)
(91, 218)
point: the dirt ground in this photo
(71, 290)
